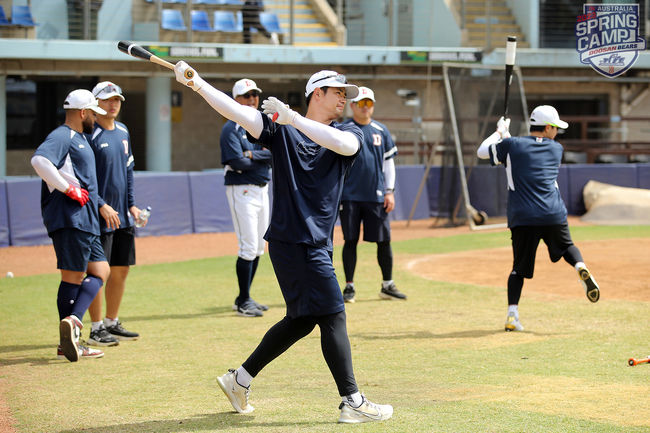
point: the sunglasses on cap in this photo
(251, 94)
(365, 103)
(338, 77)
(111, 88)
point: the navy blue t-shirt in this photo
(70, 152)
(307, 184)
(239, 169)
(365, 181)
(532, 166)
(114, 162)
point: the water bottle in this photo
(143, 217)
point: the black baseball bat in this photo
(511, 49)
(136, 50)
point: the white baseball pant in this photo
(249, 208)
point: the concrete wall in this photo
(526, 13)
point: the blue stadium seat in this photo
(271, 22)
(172, 19)
(3, 18)
(200, 22)
(224, 21)
(22, 16)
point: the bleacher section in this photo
(211, 22)
(195, 202)
(20, 24)
(489, 23)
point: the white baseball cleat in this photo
(589, 284)
(513, 323)
(367, 412)
(237, 394)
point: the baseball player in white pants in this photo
(247, 173)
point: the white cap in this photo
(106, 90)
(331, 79)
(547, 115)
(365, 93)
(82, 99)
(244, 86)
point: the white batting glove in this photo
(278, 111)
(187, 76)
(502, 128)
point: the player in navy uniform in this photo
(247, 173)
(535, 208)
(368, 197)
(310, 157)
(114, 160)
(66, 163)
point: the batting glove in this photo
(278, 111)
(187, 76)
(77, 194)
(502, 128)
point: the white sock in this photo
(110, 322)
(513, 309)
(350, 283)
(386, 283)
(243, 377)
(354, 400)
(579, 265)
(96, 326)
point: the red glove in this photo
(78, 194)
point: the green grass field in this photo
(441, 358)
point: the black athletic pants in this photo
(334, 344)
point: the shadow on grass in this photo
(211, 311)
(470, 333)
(32, 360)
(226, 421)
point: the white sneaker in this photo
(589, 283)
(367, 412)
(237, 394)
(513, 323)
(275, 39)
(69, 331)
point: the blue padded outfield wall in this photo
(195, 202)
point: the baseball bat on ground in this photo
(136, 50)
(632, 361)
(511, 49)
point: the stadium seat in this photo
(22, 16)
(205, 2)
(230, 2)
(271, 22)
(172, 19)
(224, 21)
(3, 18)
(200, 22)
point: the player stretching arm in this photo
(311, 156)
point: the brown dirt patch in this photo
(620, 267)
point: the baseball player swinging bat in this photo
(137, 51)
(632, 361)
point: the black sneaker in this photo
(391, 292)
(348, 293)
(249, 309)
(259, 306)
(102, 337)
(122, 334)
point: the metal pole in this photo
(391, 29)
(292, 21)
(488, 28)
(86, 12)
(188, 20)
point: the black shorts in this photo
(376, 227)
(307, 279)
(525, 240)
(119, 246)
(75, 248)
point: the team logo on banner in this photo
(607, 37)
